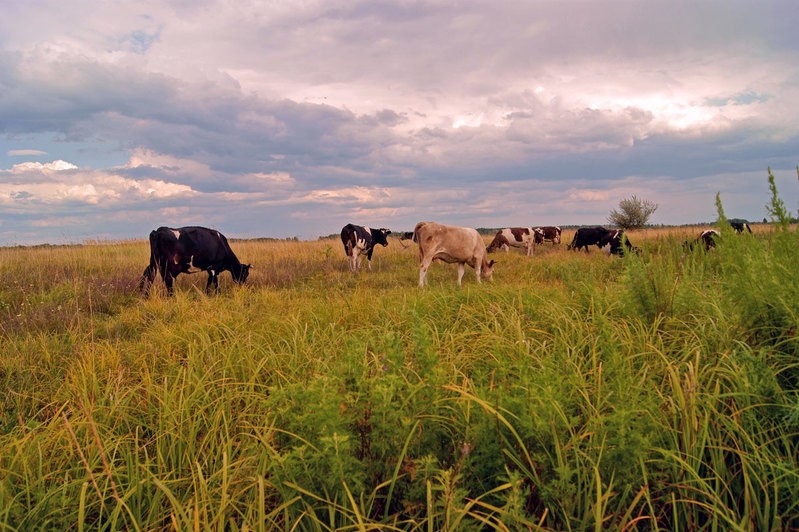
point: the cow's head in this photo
(539, 235)
(381, 236)
(487, 269)
(241, 273)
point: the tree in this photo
(633, 213)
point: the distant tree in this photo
(633, 213)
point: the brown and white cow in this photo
(518, 237)
(451, 244)
(549, 233)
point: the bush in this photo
(633, 213)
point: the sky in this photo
(266, 118)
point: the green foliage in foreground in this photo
(573, 392)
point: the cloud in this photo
(25, 153)
(54, 166)
(383, 109)
(62, 183)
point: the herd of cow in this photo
(193, 249)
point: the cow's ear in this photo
(491, 262)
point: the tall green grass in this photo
(574, 392)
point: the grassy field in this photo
(575, 391)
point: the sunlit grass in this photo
(574, 391)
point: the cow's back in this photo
(449, 243)
(205, 245)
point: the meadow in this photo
(574, 392)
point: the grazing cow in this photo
(176, 251)
(518, 237)
(359, 240)
(740, 226)
(706, 239)
(450, 244)
(549, 233)
(588, 236)
(614, 242)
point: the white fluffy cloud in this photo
(60, 182)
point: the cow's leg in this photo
(168, 279)
(460, 273)
(166, 275)
(211, 280)
(147, 278)
(369, 259)
(423, 271)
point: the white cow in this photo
(451, 244)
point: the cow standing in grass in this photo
(451, 244)
(611, 241)
(588, 236)
(359, 240)
(189, 250)
(615, 242)
(706, 240)
(740, 226)
(550, 233)
(517, 237)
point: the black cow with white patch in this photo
(588, 236)
(706, 240)
(614, 243)
(740, 226)
(190, 250)
(359, 240)
(611, 241)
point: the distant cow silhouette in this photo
(740, 226)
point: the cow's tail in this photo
(574, 241)
(148, 276)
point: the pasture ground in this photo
(574, 391)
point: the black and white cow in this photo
(740, 226)
(176, 251)
(706, 240)
(610, 241)
(359, 240)
(615, 242)
(549, 233)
